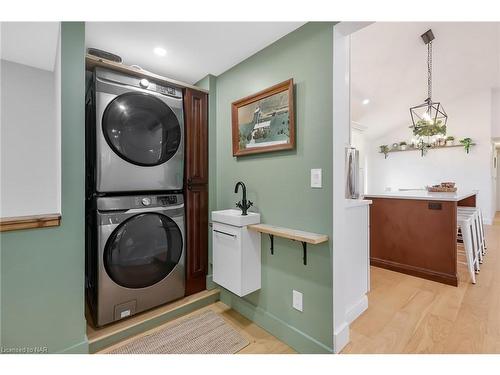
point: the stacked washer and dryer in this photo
(135, 227)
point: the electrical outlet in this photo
(316, 178)
(297, 300)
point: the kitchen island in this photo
(414, 232)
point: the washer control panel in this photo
(167, 200)
(139, 201)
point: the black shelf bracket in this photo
(304, 248)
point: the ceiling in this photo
(389, 68)
(193, 49)
(30, 43)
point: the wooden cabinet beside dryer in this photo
(196, 189)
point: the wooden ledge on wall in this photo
(29, 222)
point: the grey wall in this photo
(30, 145)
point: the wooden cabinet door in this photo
(196, 116)
(197, 238)
(196, 189)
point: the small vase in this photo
(402, 147)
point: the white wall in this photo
(495, 113)
(30, 141)
(497, 153)
(469, 116)
(58, 110)
(343, 258)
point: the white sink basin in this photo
(235, 218)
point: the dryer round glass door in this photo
(141, 129)
(143, 250)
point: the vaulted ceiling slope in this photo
(389, 68)
(30, 43)
(193, 49)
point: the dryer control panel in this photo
(167, 90)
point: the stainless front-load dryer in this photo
(139, 134)
(140, 256)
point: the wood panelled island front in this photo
(415, 232)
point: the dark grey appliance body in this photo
(138, 134)
(139, 258)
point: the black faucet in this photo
(243, 205)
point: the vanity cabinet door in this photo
(196, 189)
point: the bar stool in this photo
(466, 226)
(476, 236)
(479, 215)
(476, 213)
(476, 243)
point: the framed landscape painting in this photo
(264, 122)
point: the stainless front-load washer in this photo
(139, 134)
(140, 257)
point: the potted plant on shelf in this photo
(423, 147)
(450, 140)
(425, 128)
(466, 142)
(402, 145)
(384, 149)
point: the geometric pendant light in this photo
(428, 118)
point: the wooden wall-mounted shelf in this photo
(430, 148)
(291, 234)
(29, 222)
(418, 149)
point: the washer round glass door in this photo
(141, 129)
(143, 250)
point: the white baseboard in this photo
(340, 338)
(341, 334)
(357, 309)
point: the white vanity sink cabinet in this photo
(236, 254)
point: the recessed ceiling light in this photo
(160, 51)
(366, 101)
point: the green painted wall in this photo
(42, 270)
(279, 185)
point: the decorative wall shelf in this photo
(291, 234)
(418, 149)
(29, 222)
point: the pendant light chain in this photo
(428, 118)
(429, 71)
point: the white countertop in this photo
(424, 195)
(351, 203)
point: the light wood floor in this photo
(411, 315)
(261, 342)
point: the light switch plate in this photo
(316, 178)
(297, 300)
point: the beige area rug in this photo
(204, 333)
